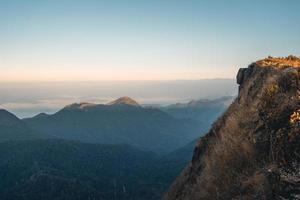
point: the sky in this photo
(57, 52)
(118, 40)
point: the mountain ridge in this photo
(251, 152)
(121, 121)
(124, 101)
(13, 128)
(7, 118)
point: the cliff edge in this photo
(253, 150)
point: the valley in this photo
(118, 150)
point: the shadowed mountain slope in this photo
(203, 111)
(59, 169)
(12, 128)
(252, 151)
(121, 121)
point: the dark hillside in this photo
(252, 152)
(58, 169)
(12, 128)
(121, 121)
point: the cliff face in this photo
(253, 150)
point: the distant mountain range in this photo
(203, 111)
(12, 128)
(121, 121)
(110, 159)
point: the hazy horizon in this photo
(29, 99)
(232, 65)
(54, 52)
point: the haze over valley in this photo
(29, 99)
(127, 150)
(149, 100)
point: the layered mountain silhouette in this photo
(203, 111)
(252, 151)
(12, 128)
(110, 158)
(121, 121)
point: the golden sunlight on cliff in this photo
(281, 62)
(295, 117)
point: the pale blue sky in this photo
(57, 40)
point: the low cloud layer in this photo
(29, 99)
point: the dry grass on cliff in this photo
(281, 62)
(252, 140)
(231, 160)
(244, 154)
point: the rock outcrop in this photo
(253, 150)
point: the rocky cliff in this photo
(253, 150)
